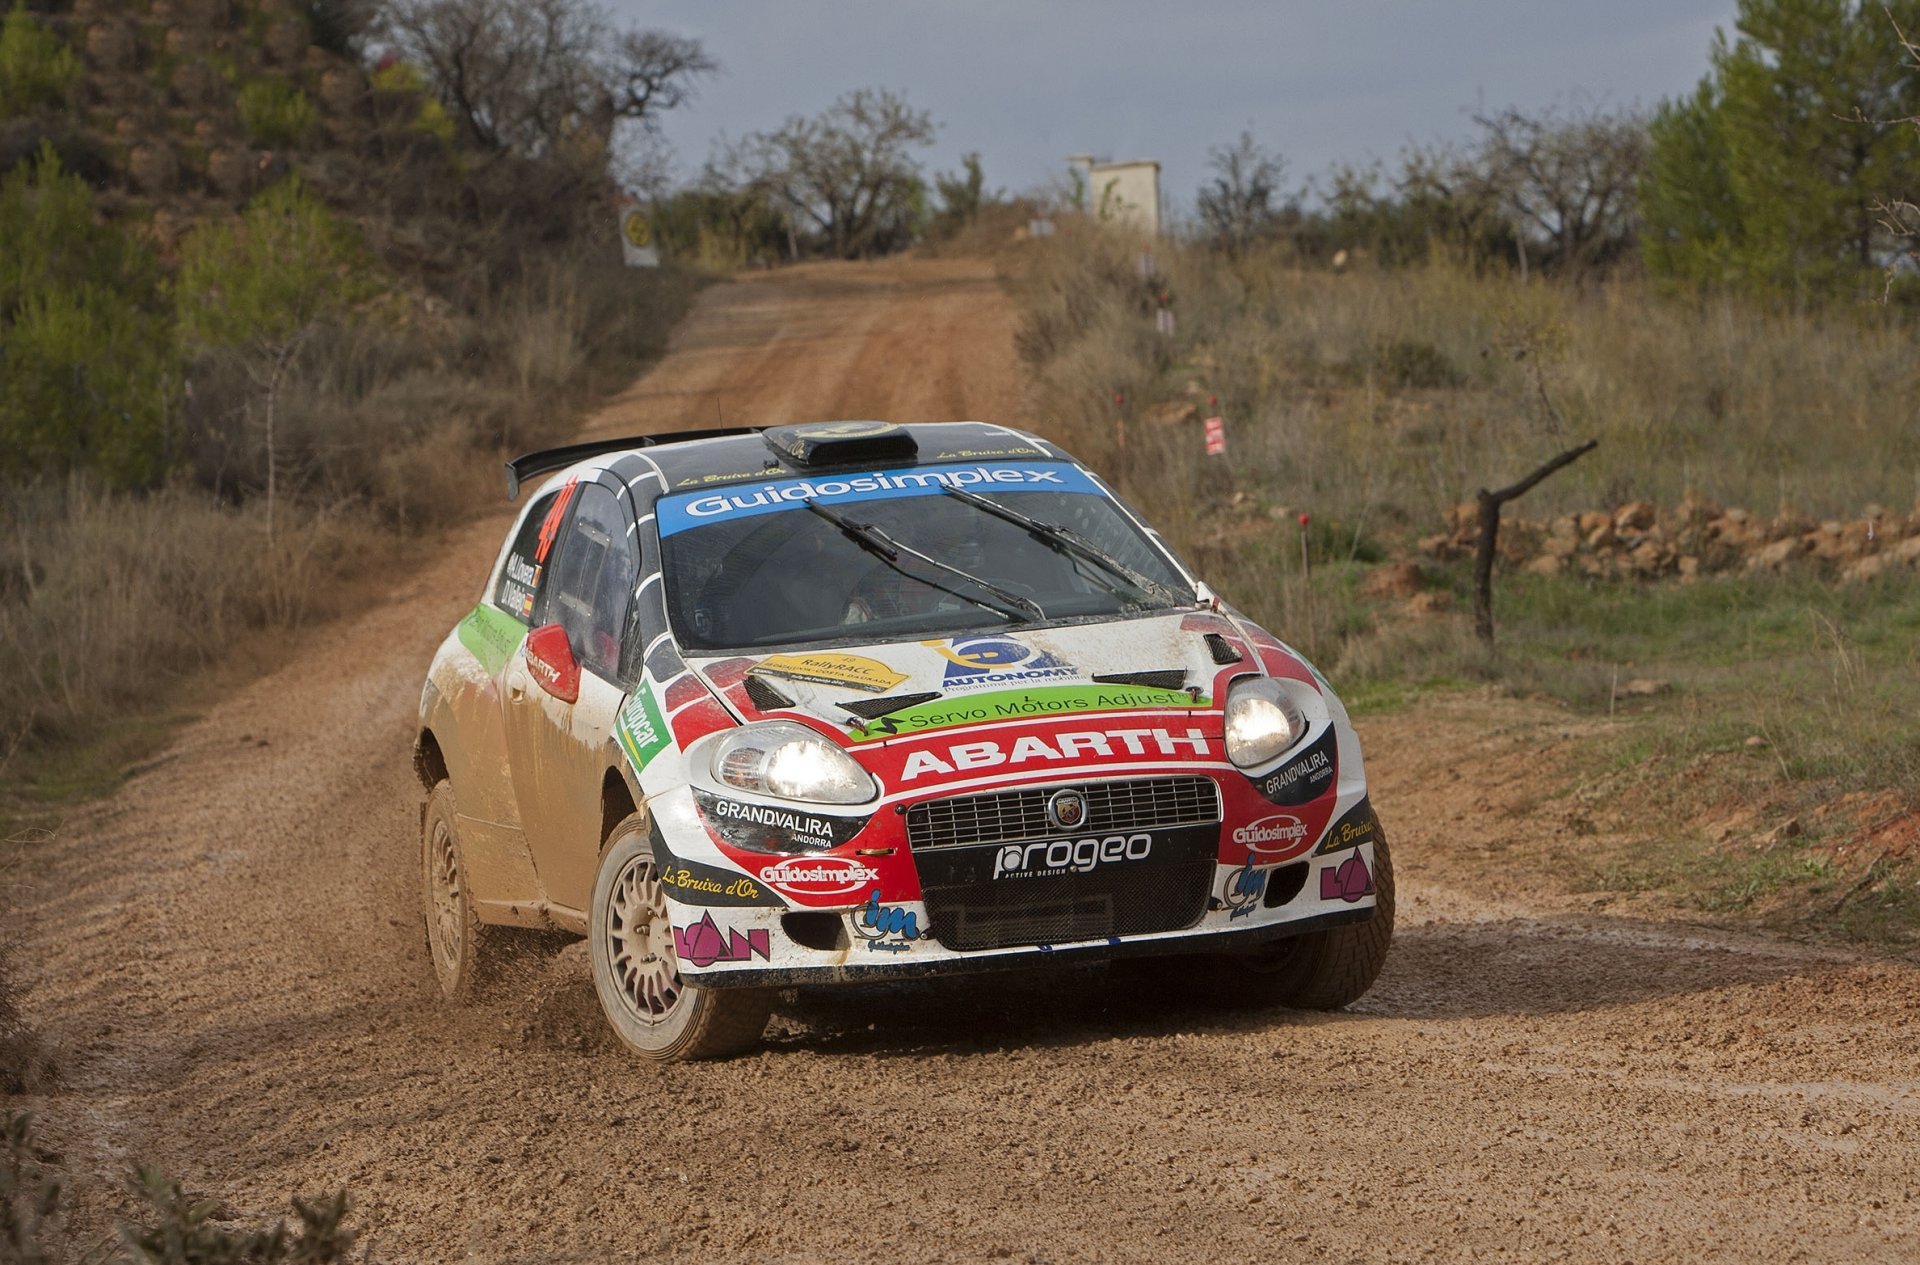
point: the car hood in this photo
(1147, 661)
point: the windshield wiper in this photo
(1067, 540)
(875, 541)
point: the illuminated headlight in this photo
(790, 761)
(1261, 722)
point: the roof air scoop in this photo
(840, 443)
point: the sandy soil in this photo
(228, 956)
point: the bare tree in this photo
(533, 76)
(1236, 207)
(1567, 181)
(848, 173)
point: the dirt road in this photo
(229, 957)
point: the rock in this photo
(1644, 687)
(286, 41)
(1634, 516)
(1871, 567)
(1547, 564)
(1754, 742)
(1440, 546)
(1777, 555)
(1788, 829)
(1423, 605)
(232, 172)
(1171, 412)
(1600, 537)
(1907, 551)
(1647, 558)
(1394, 579)
(1689, 568)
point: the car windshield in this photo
(833, 557)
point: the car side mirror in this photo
(550, 661)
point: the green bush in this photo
(86, 357)
(36, 69)
(275, 112)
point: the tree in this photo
(848, 172)
(1768, 174)
(36, 69)
(962, 194)
(1236, 206)
(86, 357)
(260, 289)
(540, 78)
(1567, 182)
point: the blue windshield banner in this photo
(695, 509)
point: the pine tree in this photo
(1767, 176)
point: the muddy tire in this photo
(461, 947)
(1322, 970)
(636, 974)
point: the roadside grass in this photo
(1761, 764)
(1762, 759)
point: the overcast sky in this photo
(1027, 83)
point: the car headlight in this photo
(1261, 721)
(789, 761)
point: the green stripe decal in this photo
(491, 635)
(1058, 700)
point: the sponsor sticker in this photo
(975, 663)
(681, 511)
(854, 671)
(704, 943)
(641, 732)
(696, 883)
(888, 928)
(1272, 838)
(819, 877)
(1348, 881)
(1046, 859)
(1356, 826)
(1244, 888)
(491, 636)
(1053, 700)
(959, 757)
(773, 827)
(1304, 778)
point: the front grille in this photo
(969, 908)
(1146, 803)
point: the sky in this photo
(1026, 84)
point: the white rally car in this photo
(851, 701)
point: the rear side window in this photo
(527, 556)
(591, 580)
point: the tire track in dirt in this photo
(229, 956)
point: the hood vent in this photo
(874, 708)
(1221, 649)
(765, 696)
(1164, 679)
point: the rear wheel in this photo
(656, 1013)
(457, 941)
(1322, 970)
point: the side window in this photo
(591, 583)
(527, 557)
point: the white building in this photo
(1122, 192)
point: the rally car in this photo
(847, 701)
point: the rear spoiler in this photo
(528, 464)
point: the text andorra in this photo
(1065, 746)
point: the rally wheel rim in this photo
(448, 900)
(639, 944)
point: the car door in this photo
(562, 690)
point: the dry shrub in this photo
(109, 597)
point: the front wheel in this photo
(1323, 970)
(457, 941)
(656, 1013)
